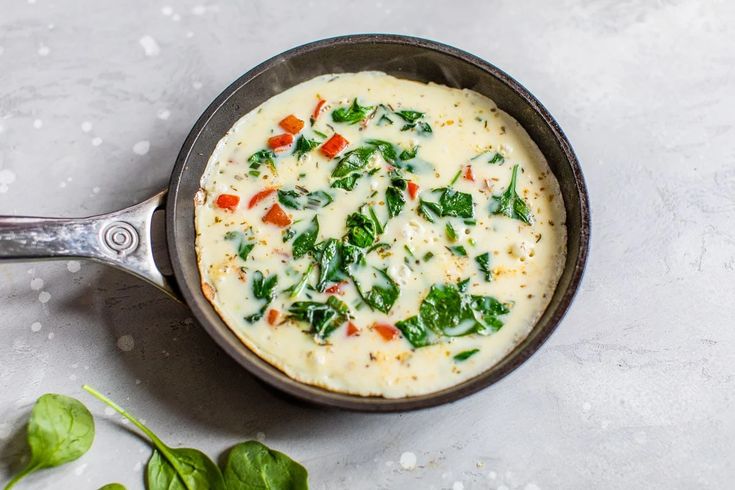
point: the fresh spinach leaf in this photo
(301, 198)
(353, 161)
(253, 466)
(113, 486)
(386, 149)
(352, 114)
(451, 204)
(510, 204)
(172, 468)
(483, 262)
(306, 240)
(324, 318)
(414, 331)
(458, 250)
(243, 246)
(60, 430)
(303, 146)
(361, 230)
(464, 355)
(260, 157)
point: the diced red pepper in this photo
(292, 124)
(336, 288)
(468, 175)
(334, 145)
(280, 140)
(260, 196)
(413, 189)
(273, 316)
(352, 329)
(277, 216)
(387, 331)
(227, 201)
(318, 108)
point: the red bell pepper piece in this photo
(318, 109)
(280, 140)
(260, 196)
(227, 201)
(468, 175)
(352, 329)
(291, 124)
(413, 189)
(334, 145)
(387, 331)
(277, 216)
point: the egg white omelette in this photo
(379, 236)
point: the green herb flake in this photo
(243, 247)
(464, 355)
(428, 256)
(483, 262)
(458, 250)
(451, 233)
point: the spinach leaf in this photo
(243, 247)
(352, 114)
(305, 242)
(328, 255)
(253, 466)
(497, 158)
(395, 201)
(412, 119)
(296, 289)
(483, 262)
(409, 154)
(423, 128)
(347, 183)
(384, 120)
(379, 228)
(60, 430)
(263, 289)
(380, 297)
(324, 318)
(451, 233)
(458, 250)
(510, 204)
(288, 234)
(172, 468)
(361, 230)
(353, 161)
(301, 198)
(414, 331)
(451, 204)
(464, 355)
(410, 116)
(386, 149)
(260, 157)
(303, 146)
(113, 486)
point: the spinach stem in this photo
(25, 471)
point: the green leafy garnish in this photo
(263, 289)
(395, 201)
(451, 204)
(414, 331)
(304, 243)
(113, 486)
(361, 230)
(412, 119)
(353, 161)
(409, 154)
(260, 157)
(288, 234)
(483, 262)
(253, 466)
(380, 297)
(172, 468)
(347, 183)
(386, 149)
(464, 355)
(352, 114)
(60, 430)
(303, 146)
(329, 256)
(324, 318)
(451, 233)
(497, 158)
(301, 198)
(510, 204)
(243, 247)
(384, 120)
(458, 250)
(296, 289)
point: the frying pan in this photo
(123, 238)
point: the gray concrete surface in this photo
(635, 389)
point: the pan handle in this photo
(122, 239)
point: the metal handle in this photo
(121, 239)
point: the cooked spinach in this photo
(409, 154)
(60, 430)
(414, 331)
(451, 233)
(243, 246)
(301, 198)
(384, 120)
(347, 183)
(323, 318)
(386, 149)
(458, 250)
(394, 198)
(253, 466)
(329, 255)
(171, 468)
(483, 262)
(428, 256)
(361, 230)
(464, 355)
(304, 243)
(296, 289)
(413, 121)
(510, 204)
(497, 158)
(352, 114)
(288, 234)
(260, 157)
(380, 297)
(451, 204)
(263, 289)
(303, 146)
(353, 161)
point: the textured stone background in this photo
(635, 390)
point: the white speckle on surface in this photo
(408, 461)
(109, 411)
(86, 126)
(44, 296)
(492, 475)
(97, 141)
(503, 487)
(199, 10)
(197, 85)
(51, 336)
(95, 190)
(150, 46)
(36, 326)
(586, 406)
(389, 464)
(531, 486)
(189, 34)
(73, 377)
(260, 436)
(176, 17)
(141, 147)
(73, 266)
(31, 2)
(138, 466)
(458, 485)
(604, 424)
(50, 27)
(38, 124)
(7, 177)
(163, 114)
(36, 283)
(62, 184)
(126, 343)
(166, 10)
(43, 50)
(2, 50)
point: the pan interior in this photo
(402, 57)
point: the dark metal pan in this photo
(123, 238)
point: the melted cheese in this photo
(526, 259)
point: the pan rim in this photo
(259, 368)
